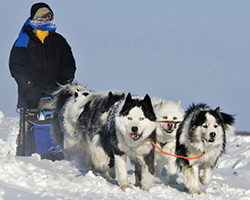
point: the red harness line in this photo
(170, 122)
(187, 158)
(184, 157)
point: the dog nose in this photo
(170, 125)
(212, 134)
(134, 129)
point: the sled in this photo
(34, 134)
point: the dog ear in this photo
(197, 111)
(76, 92)
(110, 95)
(149, 111)
(163, 102)
(179, 103)
(147, 101)
(217, 110)
(228, 119)
(229, 124)
(128, 99)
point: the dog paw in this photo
(197, 192)
(204, 181)
(194, 191)
(124, 187)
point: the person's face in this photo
(43, 20)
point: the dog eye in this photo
(130, 118)
(174, 118)
(165, 117)
(215, 126)
(205, 126)
(141, 119)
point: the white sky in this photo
(188, 50)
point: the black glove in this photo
(33, 96)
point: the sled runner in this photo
(34, 134)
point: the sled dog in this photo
(88, 128)
(67, 103)
(203, 130)
(169, 114)
(130, 124)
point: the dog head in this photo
(69, 92)
(137, 120)
(169, 115)
(80, 94)
(210, 126)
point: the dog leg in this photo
(121, 169)
(144, 170)
(111, 173)
(160, 162)
(69, 144)
(98, 155)
(172, 170)
(191, 179)
(207, 176)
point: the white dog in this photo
(169, 114)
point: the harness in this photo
(170, 122)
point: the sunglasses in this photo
(46, 17)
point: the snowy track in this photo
(32, 178)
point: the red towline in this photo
(188, 158)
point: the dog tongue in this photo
(211, 140)
(169, 130)
(132, 136)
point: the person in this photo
(40, 59)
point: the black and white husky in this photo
(88, 128)
(130, 124)
(169, 115)
(203, 130)
(67, 106)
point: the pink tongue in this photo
(131, 136)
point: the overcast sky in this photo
(188, 50)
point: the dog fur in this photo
(130, 124)
(203, 130)
(67, 105)
(166, 135)
(88, 127)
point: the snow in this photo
(32, 178)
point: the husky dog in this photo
(203, 131)
(88, 127)
(130, 125)
(169, 114)
(67, 101)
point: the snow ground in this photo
(27, 178)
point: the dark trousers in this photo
(25, 139)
